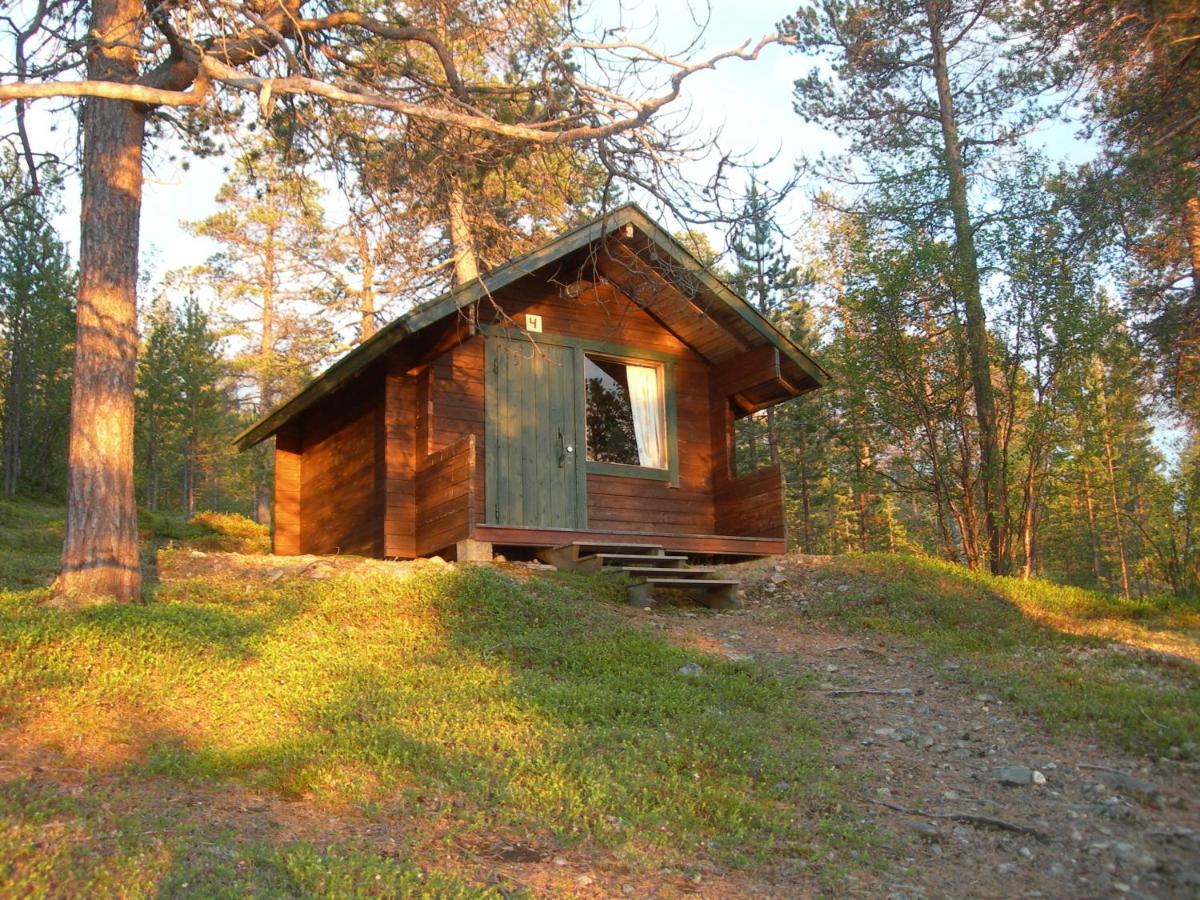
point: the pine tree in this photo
(37, 315)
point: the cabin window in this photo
(626, 421)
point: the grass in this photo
(1084, 661)
(478, 706)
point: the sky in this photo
(750, 102)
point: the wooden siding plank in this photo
(288, 452)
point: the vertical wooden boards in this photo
(286, 536)
(532, 431)
(400, 450)
(341, 497)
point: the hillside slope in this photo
(337, 726)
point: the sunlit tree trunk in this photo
(462, 236)
(994, 494)
(266, 384)
(1114, 496)
(366, 297)
(100, 551)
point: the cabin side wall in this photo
(285, 537)
(342, 471)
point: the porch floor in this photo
(701, 544)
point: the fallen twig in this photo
(967, 818)
(1100, 768)
(886, 692)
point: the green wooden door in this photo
(535, 468)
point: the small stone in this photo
(1136, 788)
(1038, 777)
(925, 742)
(198, 554)
(885, 733)
(1121, 887)
(777, 578)
(1015, 776)
(1133, 855)
(951, 666)
(831, 668)
(274, 574)
(1008, 868)
(1057, 869)
(585, 880)
(920, 826)
(842, 588)
(559, 861)
(1026, 853)
(768, 588)
(691, 670)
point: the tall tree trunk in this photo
(100, 551)
(14, 405)
(1114, 496)
(366, 297)
(266, 383)
(994, 494)
(462, 236)
(805, 500)
(1093, 535)
(1188, 371)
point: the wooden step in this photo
(654, 573)
(715, 593)
(596, 562)
(567, 556)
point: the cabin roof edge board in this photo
(681, 260)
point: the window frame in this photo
(665, 363)
(602, 467)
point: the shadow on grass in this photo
(500, 709)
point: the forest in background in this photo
(1014, 343)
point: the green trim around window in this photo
(626, 351)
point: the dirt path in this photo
(918, 738)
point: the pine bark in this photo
(366, 304)
(994, 495)
(100, 551)
(462, 238)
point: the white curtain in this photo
(647, 416)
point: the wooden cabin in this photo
(583, 392)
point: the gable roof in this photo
(659, 257)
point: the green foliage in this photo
(37, 315)
(184, 416)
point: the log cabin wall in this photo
(400, 455)
(285, 538)
(342, 471)
(600, 314)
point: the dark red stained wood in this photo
(752, 505)
(400, 450)
(286, 536)
(445, 485)
(343, 471)
(393, 463)
(716, 544)
(600, 313)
